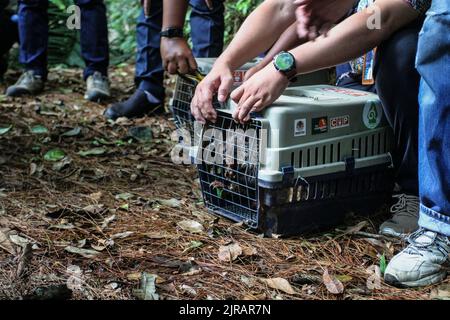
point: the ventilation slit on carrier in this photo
(366, 146)
(359, 148)
(353, 147)
(332, 153)
(316, 156)
(373, 145)
(324, 154)
(300, 159)
(308, 158)
(379, 143)
(292, 159)
(339, 152)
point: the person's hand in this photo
(250, 72)
(219, 80)
(316, 17)
(258, 92)
(177, 56)
(209, 4)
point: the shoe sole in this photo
(97, 96)
(19, 92)
(424, 282)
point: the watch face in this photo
(284, 61)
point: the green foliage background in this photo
(122, 15)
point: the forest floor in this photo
(109, 220)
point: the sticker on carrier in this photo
(319, 125)
(339, 122)
(300, 128)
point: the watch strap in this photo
(172, 33)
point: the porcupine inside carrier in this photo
(185, 89)
(316, 154)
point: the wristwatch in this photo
(284, 62)
(172, 33)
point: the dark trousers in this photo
(207, 30)
(9, 32)
(397, 85)
(33, 31)
(10, 35)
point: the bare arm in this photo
(287, 41)
(257, 34)
(352, 38)
(348, 40)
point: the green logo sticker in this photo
(372, 114)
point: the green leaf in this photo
(92, 152)
(5, 130)
(72, 133)
(193, 245)
(141, 134)
(125, 207)
(39, 129)
(124, 196)
(383, 264)
(54, 155)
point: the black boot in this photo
(138, 105)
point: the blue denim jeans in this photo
(433, 64)
(207, 29)
(33, 32)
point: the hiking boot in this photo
(137, 106)
(28, 84)
(422, 263)
(405, 217)
(97, 87)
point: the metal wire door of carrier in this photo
(228, 168)
(181, 104)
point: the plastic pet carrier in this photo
(316, 154)
(180, 104)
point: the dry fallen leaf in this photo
(191, 226)
(87, 253)
(5, 242)
(230, 252)
(333, 285)
(279, 284)
(441, 293)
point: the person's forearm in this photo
(174, 13)
(259, 32)
(287, 41)
(352, 38)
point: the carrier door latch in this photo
(349, 164)
(288, 174)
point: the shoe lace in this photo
(407, 205)
(99, 80)
(439, 242)
(26, 77)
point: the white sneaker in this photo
(405, 217)
(422, 263)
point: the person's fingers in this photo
(226, 83)
(195, 110)
(183, 66)
(256, 107)
(205, 105)
(236, 95)
(326, 27)
(192, 62)
(246, 107)
(251, 72)
(313, 32)
(209, 4)
(172, 67)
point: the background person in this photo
(33, 33)
(207, 32)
